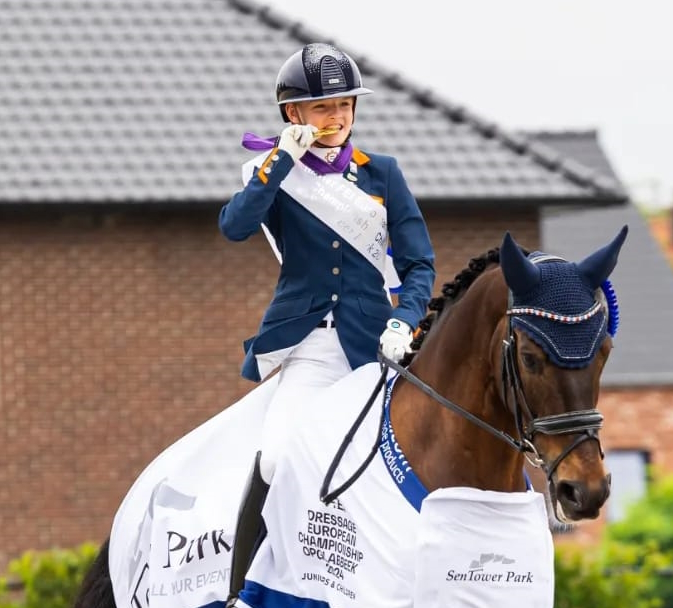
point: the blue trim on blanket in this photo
(256, 596)
(401, 473)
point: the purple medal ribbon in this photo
(251, 141)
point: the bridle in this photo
(584, 423)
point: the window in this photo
(629, 480)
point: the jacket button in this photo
(267, 170)
(275, 157)
(335, 297)
(335, 271)
(335, 244)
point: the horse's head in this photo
(560, 320)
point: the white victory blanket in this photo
(371, 547)
(483, 549)
(171, 539)
(170, 544)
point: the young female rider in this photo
(331, 211)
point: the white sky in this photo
(531, 64)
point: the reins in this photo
(327, 497)
(586, 423)
(428, 390)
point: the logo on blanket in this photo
(173, 553)
(181, 552)
(330, 542)
(491, 568)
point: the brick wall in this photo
(121, 331)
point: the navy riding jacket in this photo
(321, 272)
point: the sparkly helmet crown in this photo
(317, 71)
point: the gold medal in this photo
(326, 131)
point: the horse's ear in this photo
(599, 265)
(521, 275)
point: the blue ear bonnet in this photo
(562, 313)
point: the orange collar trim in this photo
(359, 157)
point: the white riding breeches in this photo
(315, 363)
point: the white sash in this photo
(339, 204)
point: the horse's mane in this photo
(451, 293)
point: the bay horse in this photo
(506, 367)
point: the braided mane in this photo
(451, 292)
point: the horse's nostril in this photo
(569, 493)
(580, 502)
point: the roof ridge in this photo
(553, 137)
(560, 133)
(543, 155)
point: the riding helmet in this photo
(318, 71)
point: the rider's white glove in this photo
(396, 340)
(296, 139)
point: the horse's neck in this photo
(444, 448)
(447, 450)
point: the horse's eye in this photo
(530, 362)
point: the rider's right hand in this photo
(296, 139)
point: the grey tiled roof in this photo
(582, 146)
(146, 101)
(643, 279)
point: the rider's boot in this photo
(250, 530)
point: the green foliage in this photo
(633, 562)
(583, 579)
(649, 518)
(50, 579)
(647, 532)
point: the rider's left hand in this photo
(396, 340)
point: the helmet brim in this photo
(308, 97)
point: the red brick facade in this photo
(121, 331)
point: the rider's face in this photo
(323, 113)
